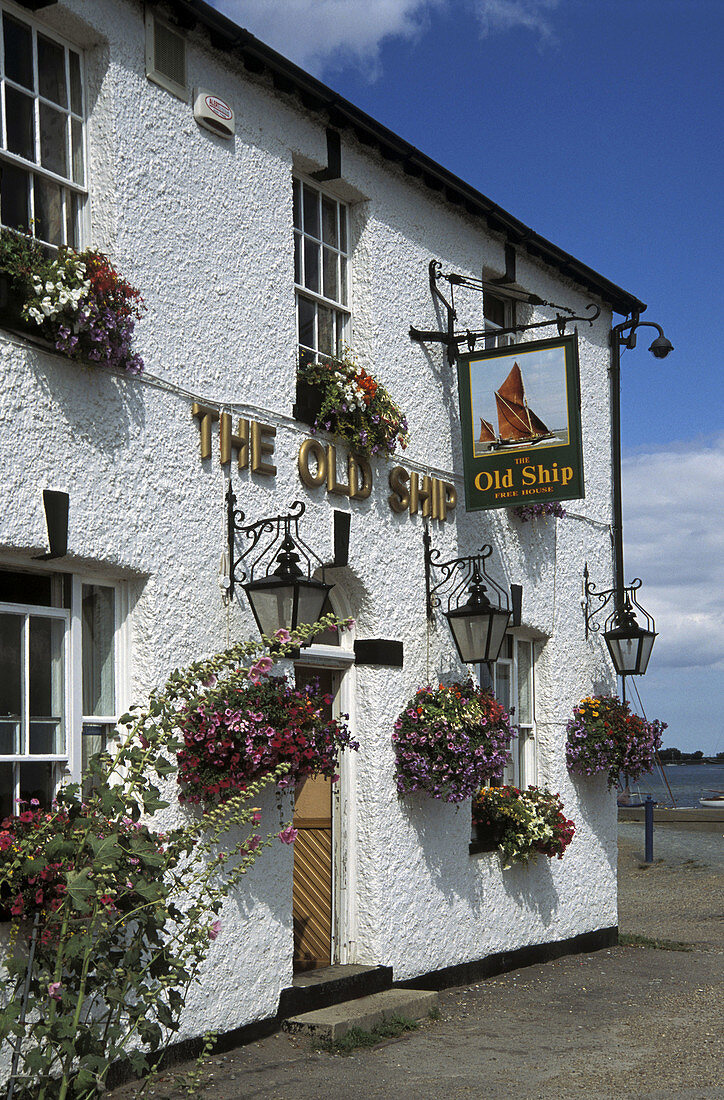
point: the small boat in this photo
(517, 423)
(713, 800)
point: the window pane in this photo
(48, 210)
(18, 52)
(37, 781)
(329, 222)
(296, 207)
(76, 93)
(311, 212)
(76, 138)
(326, 342)
(342, 228)
(25, 588)
(7, 790)
(297, 258)
(306, 323)
(47, 727)
(330, 289)
(72, 208)
(20, 123)
(525, 684)
(94, 739)
(53, 140)
(503, 684)
(98, 650)
(51, 71)
(14, 197)
(11, 695)
(311, 265)
(343, 280)
(494, 310)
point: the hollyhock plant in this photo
(525, 823)
(355, 406)
(241, 730)
(81, 303)
(604, 736)
(450, 740)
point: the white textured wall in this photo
(204, 228)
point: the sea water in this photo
(688, 782)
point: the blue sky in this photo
(597, 123)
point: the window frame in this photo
(522, 771)
(490, 327)
(75, 720)
(69, 186)
(340, 307)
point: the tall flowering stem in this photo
(127, 913)
(526, 823)
(450, 740)
(355, 406)
(604, 736)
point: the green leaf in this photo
(106, 849)
(80, 889)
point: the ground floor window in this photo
(58, 680)
(513, 681)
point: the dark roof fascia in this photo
(257, 57)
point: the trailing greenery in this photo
(111, 918)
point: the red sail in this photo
(515, 420)
(487, 432)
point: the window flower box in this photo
(340, 397)
(76, 301)
(521, 824)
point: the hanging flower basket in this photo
(339, 396)
(450, 740)
(526, 512)
(604, 736)
(235, 734)
(76, 301)
(523, 824)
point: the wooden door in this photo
(312, 884)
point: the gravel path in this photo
(636, 1021)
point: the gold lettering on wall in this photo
(253, 442)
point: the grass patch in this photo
(632, 940)
(357, 1037)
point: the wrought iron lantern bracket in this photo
(457, 574)
(622, 611)
(267, 540)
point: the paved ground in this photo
(637, 1021)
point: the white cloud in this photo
(674, 540)
(324, 34)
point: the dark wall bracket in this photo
(56, 520)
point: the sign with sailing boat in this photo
(521, 424)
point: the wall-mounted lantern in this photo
(284, 597)
(629, 644)
(478, 626)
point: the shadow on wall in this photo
(100, 408)
(531, 887)
(443, 835)
(595, 804)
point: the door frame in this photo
(340, 659)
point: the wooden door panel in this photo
(312, 898)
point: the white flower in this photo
(50, 287)
(36, 315)
(47, 306)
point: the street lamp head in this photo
(661, 347)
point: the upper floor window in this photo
(498, 312)
(42, 155)
(58, 691)
(512, 681)
(320, 271)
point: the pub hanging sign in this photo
(520, 413)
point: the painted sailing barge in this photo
(517, 423)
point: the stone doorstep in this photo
(364, 1012)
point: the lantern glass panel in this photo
(272, 604)
(478, 634)
(311, 598)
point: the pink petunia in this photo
(288, 835)
(283, 636)
(54, 989)
(215, 929)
